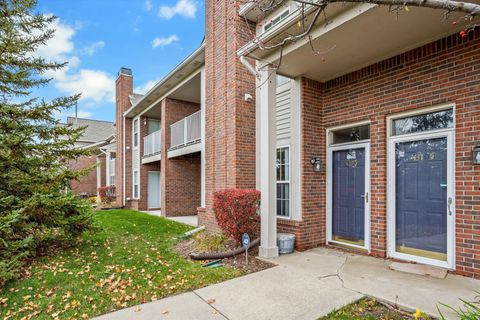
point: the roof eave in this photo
(168, 77)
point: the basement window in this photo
(276, 20)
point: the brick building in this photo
(100, 136)
(356, 139)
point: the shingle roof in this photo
(96, 130)
(135, 97)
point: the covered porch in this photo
(363, 74)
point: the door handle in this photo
(450, 201)
(365, 196)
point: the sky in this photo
(97, 37)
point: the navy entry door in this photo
(348, 192)
(421, 198)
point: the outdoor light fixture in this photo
(316, 163)
(476, 155)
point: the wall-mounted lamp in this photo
(316, 163)
(476, 155)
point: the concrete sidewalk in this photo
(308, 285)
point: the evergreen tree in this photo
(35, 149)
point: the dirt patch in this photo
(207, 242)
(371, 309)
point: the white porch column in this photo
(202, 135)
(268, 145)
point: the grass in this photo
(127, 261)
(370, 309)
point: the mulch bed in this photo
(238, 262)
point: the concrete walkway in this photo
(308, 285)
(190, 220)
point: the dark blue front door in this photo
(421, 197)
(348, 191)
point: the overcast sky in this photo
(97, 37)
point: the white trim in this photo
(289, 217)
(137, 147)
(356, 145)
(167, 93)
(178, 68)
(330, 130)
(449, 134)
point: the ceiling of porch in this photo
(370, 36)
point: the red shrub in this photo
(236, 211)
(107, 194)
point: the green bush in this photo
(38, 226)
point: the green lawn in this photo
(128, 261)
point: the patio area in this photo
(309, 285)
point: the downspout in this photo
(249, 67)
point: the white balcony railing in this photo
(186, 131)
(151, 144)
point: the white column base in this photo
(268, 253)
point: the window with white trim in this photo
(276, 20)
(283, 182)
(136, 160)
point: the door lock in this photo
(450, 201)
(365, 196)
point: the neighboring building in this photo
(367, 145)
(99, 135)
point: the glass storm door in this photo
(421, 198)
(154, 190)
(348, 196)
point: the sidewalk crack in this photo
(211, 306)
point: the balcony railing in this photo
(151, 144)
(186, 131)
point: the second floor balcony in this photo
(187, 134)
(151, 147)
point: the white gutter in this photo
(291, 19)
(169, 76)
(100, 143)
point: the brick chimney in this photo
(123, 90)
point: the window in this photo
(352, 134)
(112, 180)
(276, 20)
(135, 132)
(283, 182)
(423, 122)
(135, 184)
(281, 80)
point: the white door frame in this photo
(391, 192)
(347, 146)
(159, 189)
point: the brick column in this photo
(230, 121)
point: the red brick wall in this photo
(230, 121)
(180, 176)
(447, 70)
(123, 89)
(88, 183)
